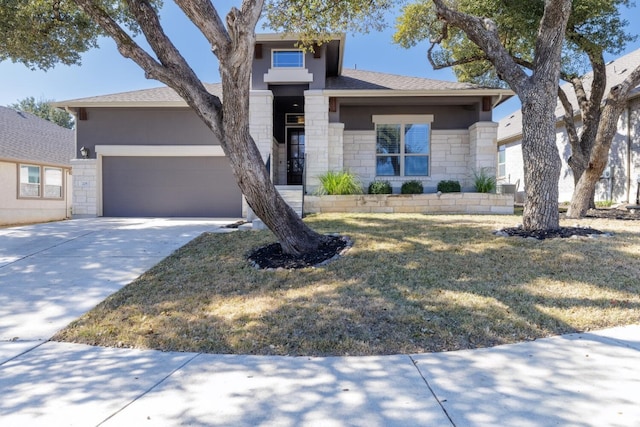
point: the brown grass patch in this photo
(410, 283)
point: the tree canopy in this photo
(43, 109)
(594, 26)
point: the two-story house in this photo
(147, 154)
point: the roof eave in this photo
(504, 93)
(118, 104)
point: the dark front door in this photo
(295, 155)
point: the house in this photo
(620, 179)
(149, 155)
(35, 168)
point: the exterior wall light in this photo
(84, 151)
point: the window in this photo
(502, 166)
(52, 183)
(29, 181)
(287, 59)
(32, 184)
(403, 145)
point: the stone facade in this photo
(85, 191)
(261, 120)
(316, 129)
(466, 203)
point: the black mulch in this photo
(271, 256)
(562, 232)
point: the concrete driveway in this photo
(52, 273)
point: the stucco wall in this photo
(21, 211)
(315, 66)
(142, 126)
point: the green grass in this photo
(410, 283)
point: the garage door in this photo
(169, 187)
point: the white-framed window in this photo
(502, 164)
(287, 58)
(403, 145)
(40, 182)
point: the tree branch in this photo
(550, 37)
(205, 16)
(484, 34)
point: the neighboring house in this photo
(151, 156)
(620, 179)
(35, 167)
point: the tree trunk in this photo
(294, 235)
(541, 162)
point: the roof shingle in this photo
(25, 137)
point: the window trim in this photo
(273, 54)
(42, 184)
(502, 150)
(403, 120)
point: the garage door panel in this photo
(169, 186)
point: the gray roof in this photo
(369, 80)
(25, 137)
(510, 127)
(350, 80)
(160, 96)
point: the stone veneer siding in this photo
(449, 158)
(467, 203)
(85, 190)
(316, 133)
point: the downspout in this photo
(495, 104)
(628, 183)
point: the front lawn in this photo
(410, 283)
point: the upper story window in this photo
(287, 58)
(403, 145)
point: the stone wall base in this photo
(467, 203)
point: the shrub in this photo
(339, 183)
(483, 181)
(412, 187)
(449, 187)
(380, 187)
(604, 204)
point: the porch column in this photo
(85, 188)
(316, 130)
(483, 147)
(261, 121)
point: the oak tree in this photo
(41, 33)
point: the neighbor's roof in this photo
(510, 127)
(25, 137)
(350, 82)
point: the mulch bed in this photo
(272, 257)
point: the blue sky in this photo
(104, 71)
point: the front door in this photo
(295, 155)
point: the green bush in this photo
(604, 204)
(449, 186)
(339, 183)
(483, 181)
(411, 187)
(380, 187)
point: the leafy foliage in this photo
(315, 22)
(449, 186)
(412, 187)
(593, 24)
(339, 183)
(380, 187)
(44, 110)
(484, 181)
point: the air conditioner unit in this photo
(606, 173)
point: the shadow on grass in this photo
(410, 284)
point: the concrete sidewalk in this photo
(52, 273)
